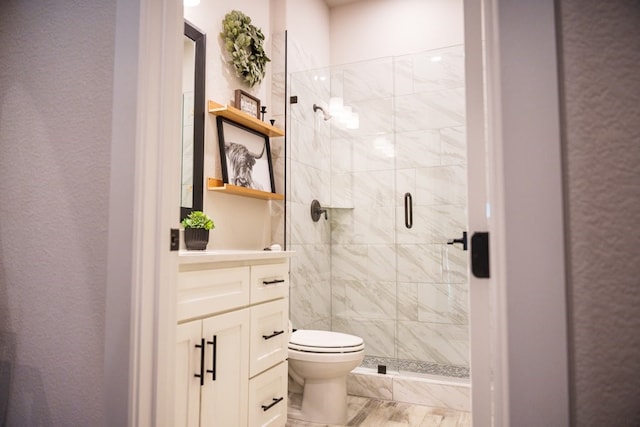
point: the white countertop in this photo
(188, 257)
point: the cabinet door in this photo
(269, 335)
(187, 395)
(268, 397)
(224, 396)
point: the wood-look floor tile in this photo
(366, 412)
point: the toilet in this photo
(319, 361)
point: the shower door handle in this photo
(462, 241)
(408, 210)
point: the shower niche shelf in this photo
(336, 206)
(215, 184)
(244, 119)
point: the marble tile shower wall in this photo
(308, 160)
(403, 290)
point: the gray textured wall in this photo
(56, 73)
(600, 74)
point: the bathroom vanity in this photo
(232, 336)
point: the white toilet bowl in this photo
(319, 361)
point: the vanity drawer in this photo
(269, 335)
(268, 397)
(208, 291)
(268, 282)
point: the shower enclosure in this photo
(381, 145)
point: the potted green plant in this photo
(196, 230)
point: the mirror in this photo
(193, 103)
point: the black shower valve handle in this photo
(317, 210)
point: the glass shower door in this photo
(399, 131)
(396, 282)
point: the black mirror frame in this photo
(198, 118)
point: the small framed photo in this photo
(245, 156)
(247, 103)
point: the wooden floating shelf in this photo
(217, 185)
(244, 119)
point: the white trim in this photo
(140, 313)
(499, 367)
(479, 289)
(525, 189)
(118, 343)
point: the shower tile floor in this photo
(416, 366)
(367, 412)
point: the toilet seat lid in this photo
(324, 341)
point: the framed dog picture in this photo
(245, 156)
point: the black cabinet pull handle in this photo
(408, 210)
(274, 334)
(272, 404)
(201, 374)
(272, 282)
(215, 354)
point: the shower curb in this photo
(417, 389)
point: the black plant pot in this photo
(196, 239)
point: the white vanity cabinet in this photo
(232, 337)
(211, 386)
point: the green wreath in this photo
(244, 43)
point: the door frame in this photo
(525, 351)
(140, 314)
(480, 316)
(519, 350)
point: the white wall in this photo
(380, 28)
(241, 223)
(308, 25)
(221, 80)
(56, 82)
(600, 53)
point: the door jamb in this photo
(528, 330)
(141, 272)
